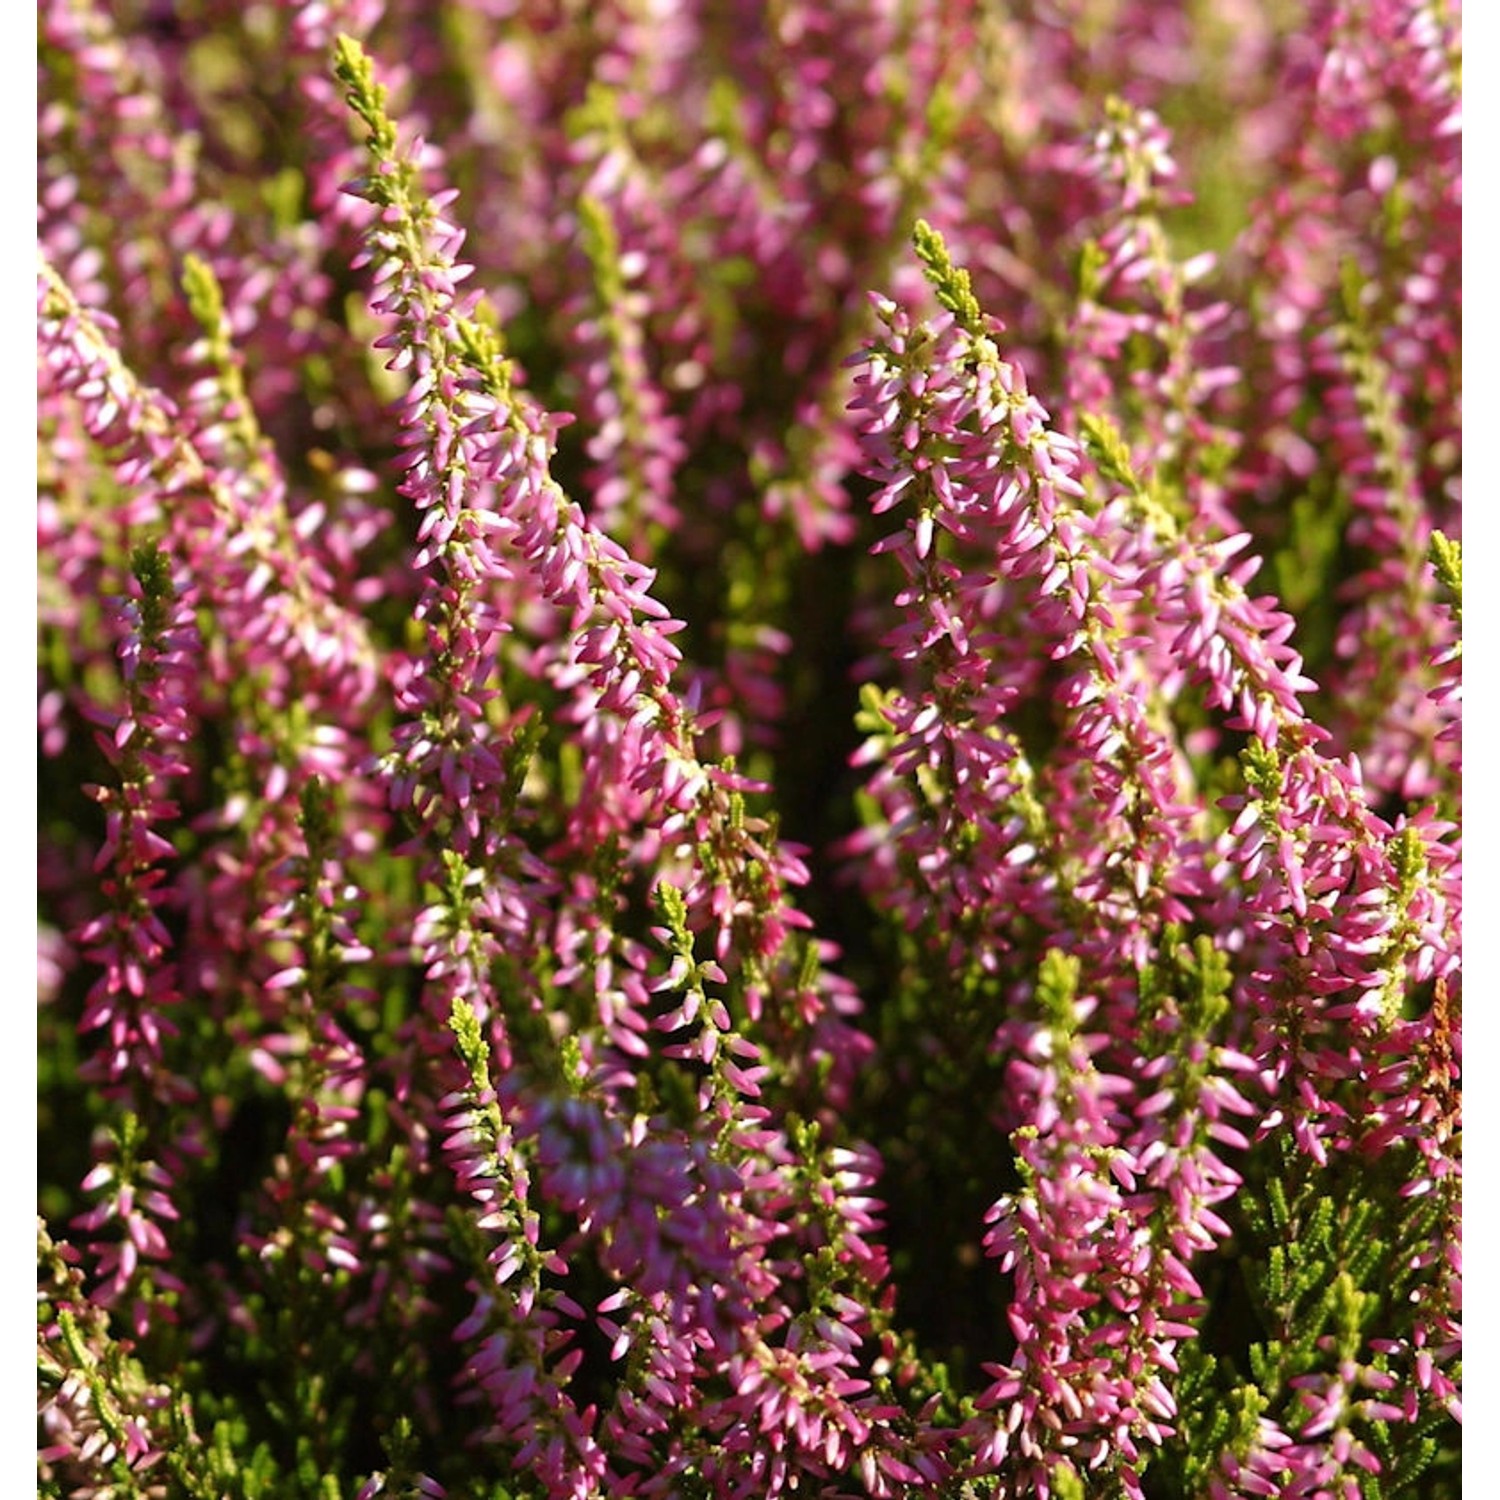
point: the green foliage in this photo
(1448, 561)
(950, 283)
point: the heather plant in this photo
(749, 750)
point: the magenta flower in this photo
(749, 748)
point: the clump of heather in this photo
(748, 729)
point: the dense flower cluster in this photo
(749, 735)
